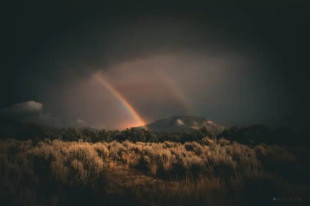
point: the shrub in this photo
(57, 172)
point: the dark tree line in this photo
(259, 133)
(131, 134)
(249, 135)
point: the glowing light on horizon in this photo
(122, 100)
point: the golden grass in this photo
(48, 172)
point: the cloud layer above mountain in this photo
(233, 63)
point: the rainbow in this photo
(121, 98)
(175, 92)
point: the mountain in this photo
(184, 124)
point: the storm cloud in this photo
(233, 63)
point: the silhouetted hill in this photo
(10, 128)
(259, 133)
(184, 124)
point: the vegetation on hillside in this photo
(249, 135)
(211, 172)
(253, 165)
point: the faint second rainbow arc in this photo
(121, 98)
(175, 92)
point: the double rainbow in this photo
(165, 80)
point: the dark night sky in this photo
(233, 63)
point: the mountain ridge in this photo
(184, 124)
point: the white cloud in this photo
(32, 111)
(23, 108)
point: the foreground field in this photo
(215, 172)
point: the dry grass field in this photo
(214, 172)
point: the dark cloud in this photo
(234, 63)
